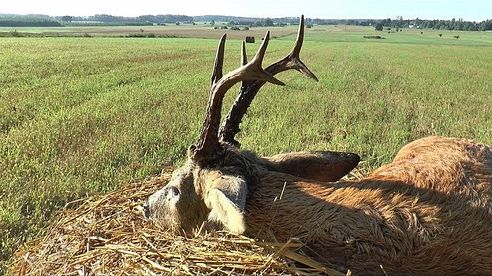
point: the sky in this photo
(473, 10)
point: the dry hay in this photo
(108, 235)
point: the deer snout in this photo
(171, 193)
(146, 210)
(163, 199)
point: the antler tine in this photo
(299, 39)
(219, 60)
(244, 57)
(248, 91)
(208, 142)
(253, 71)
(294, 58)
(244, 61)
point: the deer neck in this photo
(344, 217)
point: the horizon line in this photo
(252, 17)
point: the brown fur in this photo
(315, 165)
(426, 213)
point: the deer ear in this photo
(316, 165)
(227, 201)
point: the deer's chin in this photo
(168, 219)
(168, 224)
(165, 217)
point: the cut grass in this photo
(188, 31)
(84, 115)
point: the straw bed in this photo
(108, 235)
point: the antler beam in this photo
(208, 141)
(249, 89)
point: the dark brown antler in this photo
(219, 61)
(249, 89)
(209, 142)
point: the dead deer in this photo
(429, 212)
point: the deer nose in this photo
(172, 193)
(146, 210)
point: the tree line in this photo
(453, 24)
(12, 20)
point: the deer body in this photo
(426, 213)
(429, 212)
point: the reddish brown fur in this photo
(316, 165)
(426, 213)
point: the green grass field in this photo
(182, 31)
(83, 115)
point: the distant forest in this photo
(39, 20)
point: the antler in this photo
(209, 142)
(249, 89)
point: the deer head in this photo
(213, 184)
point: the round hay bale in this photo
(108, 234)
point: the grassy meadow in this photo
(83, 115)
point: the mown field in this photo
(181, 31)
(84, 115)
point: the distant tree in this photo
(400, 21)
(268, 22)
(469, 26)
(486, 25)
(67, 18)
(177, 23)
(147, 18)
(212, 22)
(379, 26)
(352, 22)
